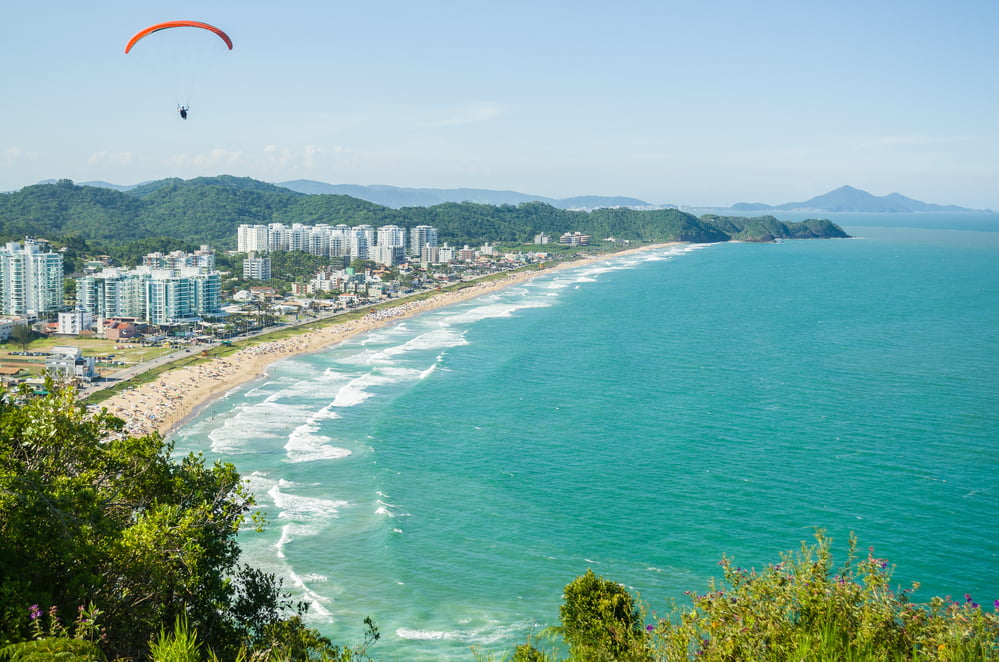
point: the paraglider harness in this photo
(183, 111)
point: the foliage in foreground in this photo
(89, 516)
(802, 609)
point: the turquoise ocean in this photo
(642, 416)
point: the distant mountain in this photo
(849, 199)
(397, 198)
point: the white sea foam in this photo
(317, 602)
(303, 509)
(258, 483)
(426, 373)
(283, 540)
(494, 310)
(253, 425)
(439, 338)
(386, 509)
(489, 632)
(304, 445)
(407, 633)
(315, 578)
(354, 392)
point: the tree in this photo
(600, 621)
(90, 516)
(360, 264)
(23, 335)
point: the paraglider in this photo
(141, 34)
(177, 24)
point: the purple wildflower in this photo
(650, 628)
(35, 611)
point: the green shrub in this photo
(803, 609)
(601, 622)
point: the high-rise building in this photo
(251, 238)
(391, 235)
(332, 241)
(257, 268)
(157, 296)
(30, 279)
(202, 259)
(420, 236)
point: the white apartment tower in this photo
(420, 236)
(257, 268)
(30, 280)
(158, 296)
(251, 238)
(391, 235)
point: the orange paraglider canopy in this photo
(178, 24)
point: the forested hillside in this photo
(208, 210)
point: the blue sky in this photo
(695, 103)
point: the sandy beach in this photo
(161, 405)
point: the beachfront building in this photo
(7, 327)
(420, 236)
(390, 246)
(70, 363)
(30, 279)
(113, 292)
(333, 240)
(446, 254)
(542, 238)
(335, 280)
(388, 255)
(75, 322)
(362, 238)
(157, 296)
(575, 239)
(391, 235)
(430, 255)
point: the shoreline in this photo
(177, 395)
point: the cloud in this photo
(13, 155)
(305, 157)
(118, 158)
(471, 114)
(217, 159)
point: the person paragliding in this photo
(141, 34)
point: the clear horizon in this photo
(703, 105)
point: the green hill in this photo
(208, 210)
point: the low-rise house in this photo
(6, 328)
(75, 322)
(70, 363)
(120, 330)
